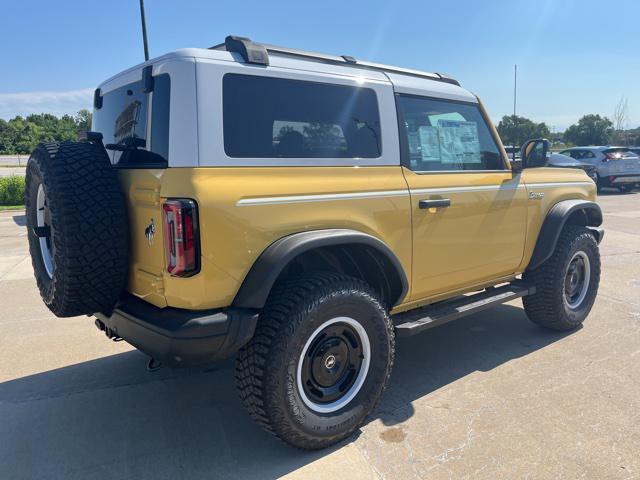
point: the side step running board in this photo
(415, 321)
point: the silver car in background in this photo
(617, 167)
(564, 161)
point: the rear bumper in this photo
(178, 337)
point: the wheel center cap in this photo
(330, 362)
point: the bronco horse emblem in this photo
(150, 232)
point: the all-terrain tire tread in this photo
(290, 300)
(89, 216)
(545, 307)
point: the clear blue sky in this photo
(574, 57)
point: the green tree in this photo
(590, 130)
(3, 129)
(83, 120)
(21, 135)
(515, 130)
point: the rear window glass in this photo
(268, 117)
(122, 120)
(620, 152)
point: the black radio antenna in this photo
(144, 31)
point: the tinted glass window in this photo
(443, 135)
(619, 152)
(122, 120)
(160, 115)
(279, 118)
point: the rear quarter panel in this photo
(234, 230)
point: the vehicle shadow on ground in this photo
(110, 418)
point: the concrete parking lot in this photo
(489, 396)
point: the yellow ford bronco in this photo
(301, 210)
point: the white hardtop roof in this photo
(405, 81)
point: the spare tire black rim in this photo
(333, 364)
(576, 281)
(43, 221)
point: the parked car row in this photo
(565, 161)
(607, 166)
(614, 166)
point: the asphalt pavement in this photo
(489, 396)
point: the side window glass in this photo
(291, 138)
(442, 135)
(266, 117)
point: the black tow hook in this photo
(111, 334)
(153, 365)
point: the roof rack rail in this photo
(259, 54)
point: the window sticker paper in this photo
(459, 142)
(429, 143)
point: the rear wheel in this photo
(319, 361)
(567, 283)
(625, 188)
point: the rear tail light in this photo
(181, 237)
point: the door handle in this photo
(439, 203)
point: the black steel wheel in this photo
(333, 364)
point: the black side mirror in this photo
(535, 153)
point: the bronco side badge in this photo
(150, 232)
(536, 195)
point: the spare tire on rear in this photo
(77, 227)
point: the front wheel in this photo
(567, 283)
(319, 360)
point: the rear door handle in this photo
(439, 203)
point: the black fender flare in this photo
(264, 272)
(555, 221)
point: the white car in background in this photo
(617, 167)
